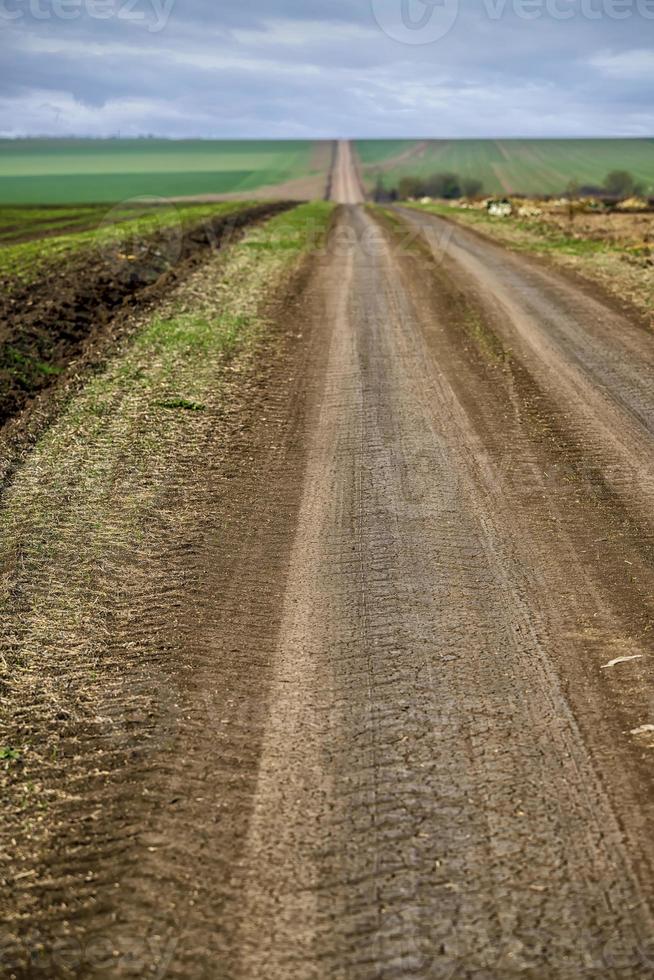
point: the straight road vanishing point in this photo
(392, 746)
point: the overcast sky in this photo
(326, 68)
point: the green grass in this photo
(113, 229)
(182, 403)
(40, 171)
(511, 166)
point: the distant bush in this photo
(381, 193)
(620, 183)
(472, 187)
(410, 187)
(589, 190)
(444, 185)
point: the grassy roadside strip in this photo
(91, 508)
(621, 271)
(26, 261)
(85, 300)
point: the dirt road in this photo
(392, 742)
(345, 184)
(447, 786)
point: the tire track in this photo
(426, 802)
(598, 364)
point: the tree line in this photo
(617, 183)
(450, 186)
(444, 185)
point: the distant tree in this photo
(445, 185)
(410, 187)
(620, 183)
(379, 192)
(591, 190)
(471, 187)
(573, 189)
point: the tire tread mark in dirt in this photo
(470, 849)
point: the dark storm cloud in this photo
(325, 67)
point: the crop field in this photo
(34, 239)
(510, 166)
(23, 223)
(69, 171)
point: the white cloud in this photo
(58, 113)
(302, 33)
(629, 65)
(284, 68)
(205, 57)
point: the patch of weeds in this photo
(9, 755)
(188, 332)
(130, 373)
(24, 368)
(487, 341)
(99, 408)
(523, 234)
(182, 403)
(48, 369)
(232, 326)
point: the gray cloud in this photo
(295, 68)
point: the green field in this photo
(510, 166)
(66, 171)
(25, 260)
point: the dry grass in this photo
(625, 230)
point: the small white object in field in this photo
(500, 209)
(643, 730)
(621, 660)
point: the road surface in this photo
(447, 785)
(398, 748)
(345, 184)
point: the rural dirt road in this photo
(345, 183)
(447, 786)
(397, 747)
